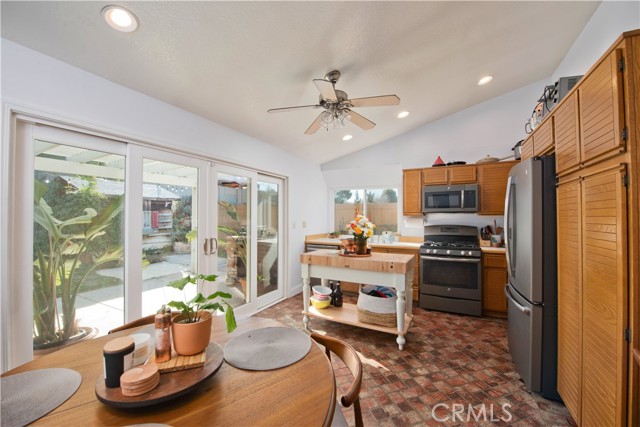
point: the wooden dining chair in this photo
(147, 320)
(348, 355)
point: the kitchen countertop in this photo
(490, 250)
(338, 242)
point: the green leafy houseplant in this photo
(63, 262)
(192, 309)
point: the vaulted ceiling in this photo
(232, 61)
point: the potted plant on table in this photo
(191, 329)
(361, 229)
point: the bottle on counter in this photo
(163, 334)
(337, 299)
(333, 290)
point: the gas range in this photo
(451, 241)
(451, 269)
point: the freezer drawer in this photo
(525, 337)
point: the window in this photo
(379, 205)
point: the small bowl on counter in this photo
(321, 293)
(320, 303)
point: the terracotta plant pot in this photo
(191, 338)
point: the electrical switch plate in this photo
(304, 224)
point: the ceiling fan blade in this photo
(375, 101)
(300, 107)
(326, 89)
(317, 123)
(360, 121)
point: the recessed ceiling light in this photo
(403, 114)
(120, 18)
(485, 80)
(347, 137)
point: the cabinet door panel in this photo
(412, 192)
(492, 180)
(543, 138)
(437, 175)
(604, 299)
(601, 118)
(462, 174)
(569, 297)
(566, 135)
(526, 149)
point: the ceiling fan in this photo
(338, 107)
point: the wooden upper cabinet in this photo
(462, 174)
(602, 110)
(569, 297)
(526, 149)
(435, 175)
(492, 183)
(604, 298)
(565, 120)
(412, 192)
(543, 138)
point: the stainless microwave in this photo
(450, 198)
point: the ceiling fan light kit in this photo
(338, 107)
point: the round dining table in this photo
(301, 394)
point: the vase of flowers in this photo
(361, 229)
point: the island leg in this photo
(306, 282)
(400, 310)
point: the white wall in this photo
(492, 127)
(34, 81)
(611, 19)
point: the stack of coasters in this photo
(139, 380)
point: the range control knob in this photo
(461, 252)
(469, 253)
(448, 252)
(435, 251)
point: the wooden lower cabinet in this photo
(494, 278)
(593, 296)
(416, 265)
(604, 299)
(569, 297)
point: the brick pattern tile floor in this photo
(450, 362)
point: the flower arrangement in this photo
(361, 228)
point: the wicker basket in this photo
(376, 310)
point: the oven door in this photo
(451, 277)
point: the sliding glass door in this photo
(102, 226)
(79, 188)
(269, 283)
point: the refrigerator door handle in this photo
(507, 223)
(507, 293)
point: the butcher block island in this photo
(383, 269)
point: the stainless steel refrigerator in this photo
(532, 291)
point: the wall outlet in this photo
(304, 224)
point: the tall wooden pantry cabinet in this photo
(594, 133)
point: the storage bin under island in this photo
(384, 269)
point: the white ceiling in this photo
(231, 61)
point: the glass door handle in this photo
(213, 245)
(210, 246)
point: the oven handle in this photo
(453, 259)
(523, 309)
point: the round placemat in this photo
(30, 395)
(267, 348)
